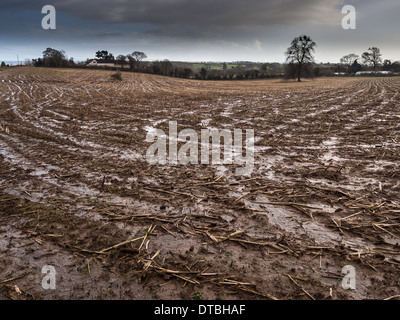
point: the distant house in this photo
(363, 73)
(107, 63)
(101, 63)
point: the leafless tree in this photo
(348, 60)
(300, 53)
(372, 57)
(121, 59)
(135, 59)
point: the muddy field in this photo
(77, 193)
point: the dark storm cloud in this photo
(200, 13)
(182, 32)
(107, 34)
(202, 30)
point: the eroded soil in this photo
(77, 193)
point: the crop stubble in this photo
(76, 191)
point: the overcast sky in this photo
(198, 30)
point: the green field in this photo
(214, 66)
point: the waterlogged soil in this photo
(77, 193)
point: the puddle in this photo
(291, 222)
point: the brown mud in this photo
(77, 193)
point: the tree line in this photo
(134, 62)
(299, 64)
(371, 59)
(300, 60)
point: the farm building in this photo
(101, 63)
(363, 73)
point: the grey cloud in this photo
(182, 32)
(107, 34)
(240, 29)
(210, 13)
(200, 13)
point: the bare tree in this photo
(203, 73)
(28, 62)
(54, 58)
(348, 60)
(166, 67)
(300, 53)
(135, 59)
(372, 57)
(121, 59)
